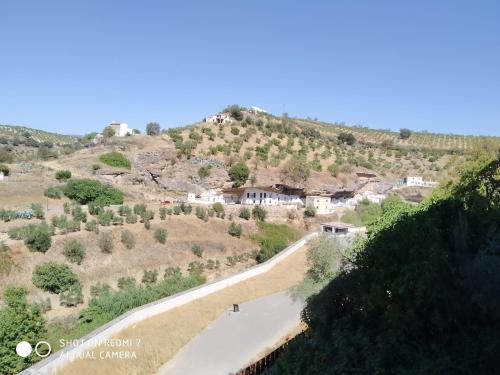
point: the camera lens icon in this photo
(24, 349)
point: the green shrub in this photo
(38, 237)
(163, 213)
(259, 213)
(106, 243)
(201, 213)
(310, 211)
(272, 239)
(147, 224)
(172, 272)
(117, 220)
(186, 208)
(124, 210)
(127, 238)
(131, 218)
(53, 192)
(87, 190)
(37, 210)
(6, 261)
(245, 213)
(71, 297)
(4, 169)
(347, 138)
(139, 209)
(235, 230)
(19, 320)
(78, 214)
(147, 215)
(54, 277)
(126, 282)
(197, 250)
(149, 277)
(94, 208)
(239, 173)
(92, 226)
(153, 128)
(160, 235)
(196, 270)
(297, 169)
(218, 209)
(63, 175)
(235, 130)
(105, 217)
(204, 171)
(115, 159)
(177, 210)
(99, 289)
(74, 251)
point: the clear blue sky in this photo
(73, 67)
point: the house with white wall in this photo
(1, 176)
(206, 197)
(322, 203)
(416, 181)
(274, 195)
(121, 129)
(220, 118)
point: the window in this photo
(265, 195)
(248, 195)
(260, 195)
(254, 195)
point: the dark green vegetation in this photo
(239, 173)
(106, 304)
(272, 239)
(419, 296)
(4, 169)
(54, 277)
(115, 159)
(63, 175)
(19, 320)
(37, 237)
(86, 191)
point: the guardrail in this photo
(265, 362)
(66, 355)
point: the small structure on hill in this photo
(1, 176)
(274, 195)
(220, 118)
(121, 129)
(416, 181)
(321, 202)
(337, 228)
(256, 110)
(206, 197)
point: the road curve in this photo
(236, 338)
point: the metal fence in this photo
(263, 363)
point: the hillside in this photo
(20, 143)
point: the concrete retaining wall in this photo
(62, 357)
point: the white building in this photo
(206, 197)
(417, 181)
(255, 109)
(266, 195)
(220, 118)
(121, 129)
(1, 176)
(322, 203)
(337, 228)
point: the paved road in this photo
(234, 339)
